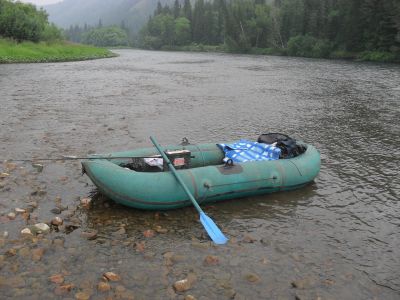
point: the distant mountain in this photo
(134, 13)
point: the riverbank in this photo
(28, 52)
(373, 56)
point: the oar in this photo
(212, 229)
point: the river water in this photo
(338, 238)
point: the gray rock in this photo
(19, 210)
(56, 210)
(38, 167)
(57, 221)
(11, 216)
(26, 232)
(40, 228)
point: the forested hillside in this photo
(134, 13)
(369, 29)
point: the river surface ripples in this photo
(338, 238)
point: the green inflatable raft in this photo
(123, 177)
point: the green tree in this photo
(158, 32)
(51, 33)
(21, 21)
(182, 31)
(111, 36)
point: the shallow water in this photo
(338, 238)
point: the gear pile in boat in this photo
(289, 147)
(246, 150)
(269, 146)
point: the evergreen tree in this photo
(187, 10)
(198, 22)
(159, 9)
(177, 9)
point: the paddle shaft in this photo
(178, 178)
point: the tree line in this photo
(314, 28)
(99, 35)
(20, 21)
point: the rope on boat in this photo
(68, 157)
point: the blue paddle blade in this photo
(212, 229)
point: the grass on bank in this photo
(29, 52)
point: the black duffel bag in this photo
(289, 147)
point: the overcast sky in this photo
(42, 2)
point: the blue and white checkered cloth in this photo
(245, 150)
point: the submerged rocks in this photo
(111, 276)
(159, 229)
(24, 252)
(148, 233)
(253, 278)
(249, 239)
(59, 241)
(90, 234)
(211, 260)
(10, 166)
(185, 284)
(63, 289)
(103, 286)
(140, 246)
(56, 278)
(4, 175)
(38, 167)
(82, 296)
(182, 285)
(38, 192)
(37, 254)
(13, 281)
(120, 231)
(32, 205)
